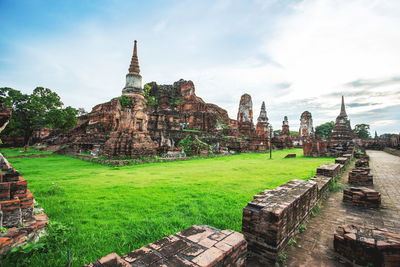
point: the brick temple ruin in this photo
(20, 221)
(341, 141)
(151, 120)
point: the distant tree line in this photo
(42, 108)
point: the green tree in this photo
(63, 119)
(388, 135)
(324, 130)
(362, 130)
(42, 108)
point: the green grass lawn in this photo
(20, 151)
(106, 209)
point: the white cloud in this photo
(292, 56)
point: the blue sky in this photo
(294, 55)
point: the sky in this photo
(295, 55)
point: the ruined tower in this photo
(306, 124)
(341, 132)
(133, 78)
(245, 115)
(285, 126)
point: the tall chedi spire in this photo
(134, 67)
(133, 78)
(341, 134)
(343, 109)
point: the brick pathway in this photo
(315, 246)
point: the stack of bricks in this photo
(273, 217)
(342, 160)
(329, 169)
(348, 156)
(199, 245)
(17, 206)
(362, 163)
(367, 246)
(360, 176)
(362, 196)
(16, 201)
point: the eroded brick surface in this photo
(199, 245)
(272, 218)
(362, 196)
(360, 176)
(368, 245)
(329, 169)
(17, 209)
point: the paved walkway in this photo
(315, 246)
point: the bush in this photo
(150, 100)
(193, 145)
(125, 101)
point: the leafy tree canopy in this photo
(362, 130)
(324, 130)
(388, 135)
(42, 108)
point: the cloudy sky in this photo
(294, 55)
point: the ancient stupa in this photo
(133, 78)
(341, 132)
(262, 122)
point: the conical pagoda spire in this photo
(134, 67)
(133, 83)
(343, 109)
(263, 113)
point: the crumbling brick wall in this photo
(273, 216)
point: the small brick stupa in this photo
(262, 123)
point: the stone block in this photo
(360, 176)
(364, 245)
(348, 156)
(342, 160)
(329, 170)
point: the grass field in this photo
(100, 209)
